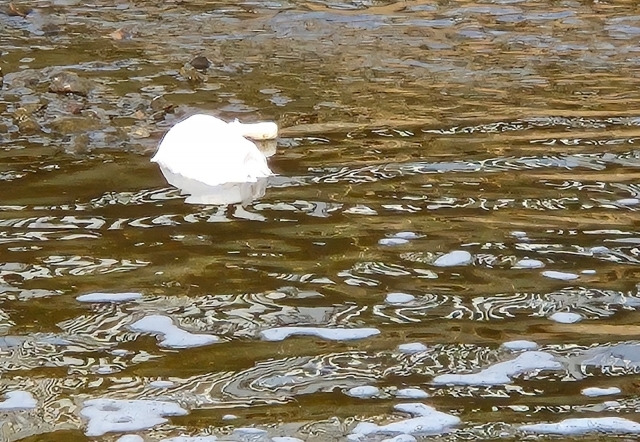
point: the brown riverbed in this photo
(480, 156)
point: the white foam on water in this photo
(502, 372)
(393, 241)
(528, 264)
(411, 393)
(628, 201)
(119, 352)
(616, 425)
(398, 298)
(566, 317)
(249, 433)
(361, 210)
(588, 272)
(119, 416)
(596, 391)
(109, 297)
(406, 235)
(286, 439)
(161, 384)
(520, 345)
(105, 369)
(455, 258)
(401, 438)
(428, 420)
(425, 273)
(191, 439)
(171, 335)
(363, 391)
(229, 417)
(565, 276)
(18, 400)
(412, 347)
(130, 438)
(615, 405)
(331, 334)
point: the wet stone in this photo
(70, 83)
(78, 144)
(399, 298)
(22, 79)
(121, 34)
(68, 125)
(25, 121)
(201, 63)
(566, 317)
(140, 132)
(159, 104)
(412, 347)
(363, 391)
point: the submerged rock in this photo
(70, 83)
(579, 426)
(70, 125)
(191, 74)
(455, 258)
(25, 121)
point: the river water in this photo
(457, 188)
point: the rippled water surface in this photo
(452, 176)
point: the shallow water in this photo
(478, 156)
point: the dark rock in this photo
(32, 103)
(201, 63)
(70, 83)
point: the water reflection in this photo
(231, 193)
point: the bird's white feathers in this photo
(209, 150)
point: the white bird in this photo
(214, 152)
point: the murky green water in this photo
(506, 130)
